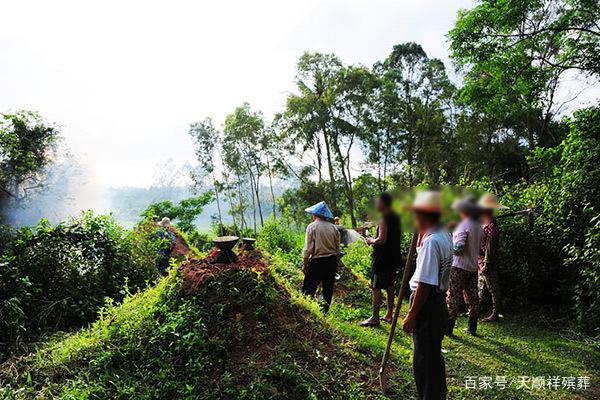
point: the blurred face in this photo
(463, 215)
(421, 221)
(380, 206)
(487, 214)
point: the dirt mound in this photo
(196, 271)
(180, 248)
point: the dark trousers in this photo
(429, 368)
(163, 264)
(320, 271)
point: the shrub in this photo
(275, 236)
(557, 262)
(357, 257)
(201, 241)
(59, 276)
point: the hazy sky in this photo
(124, 79)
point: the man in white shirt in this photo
(321, 253)
(428, 315)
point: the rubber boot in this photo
(450, 327)
(472, 326)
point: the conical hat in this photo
(320, 210)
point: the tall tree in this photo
(515, 52)
(27, 147)
(308, 115)
(243, 133)
(414, 92)
(206, 141)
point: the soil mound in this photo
(196, 271)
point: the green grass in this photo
(242, 336)
(519, 345)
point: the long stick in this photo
(383, 379)
(516, 213)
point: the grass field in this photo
(521, 350)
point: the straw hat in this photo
(427, 201)
(320, 210)
(467, 204)
(489, 201)
(165, 222)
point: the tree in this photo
(206, 141)
(183, 213)
(349, 115)
(243, 133)
(414, 98)
(515, 53)
(27, 147)
(308, 117)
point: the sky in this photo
(124, 79)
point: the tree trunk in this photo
(218, 204)
(271, 188)
(230, 199)
(345, 169)
(242, 219)
(260, 213)
(253, 202)
(330, 168)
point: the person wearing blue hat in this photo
(321, 253)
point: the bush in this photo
(57, 277)
(275, 236)
(357, 257)
(201, 241)
(557, 262)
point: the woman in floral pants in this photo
(488, 268)
(466, 240)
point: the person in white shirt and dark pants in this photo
(428, 315)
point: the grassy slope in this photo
(240, 336)
(244, 337)
(517, 346)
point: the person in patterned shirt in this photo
(466, 240)
(488, 268)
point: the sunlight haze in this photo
(125, 79)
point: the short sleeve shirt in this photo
(468, 234)
(433, 256)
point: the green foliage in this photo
(200, 241)
(56, 277)
(276, 237)
(555, 263)
(357, 257)
(515, 53)
(567, 195)
(26, 148)
(587, 290)
(182, 214)
(237, 337)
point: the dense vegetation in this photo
(346, 133)
(249, 334)
(59, 276)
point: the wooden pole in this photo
(383, 378)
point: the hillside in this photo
(243, 331)
(206, 331)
